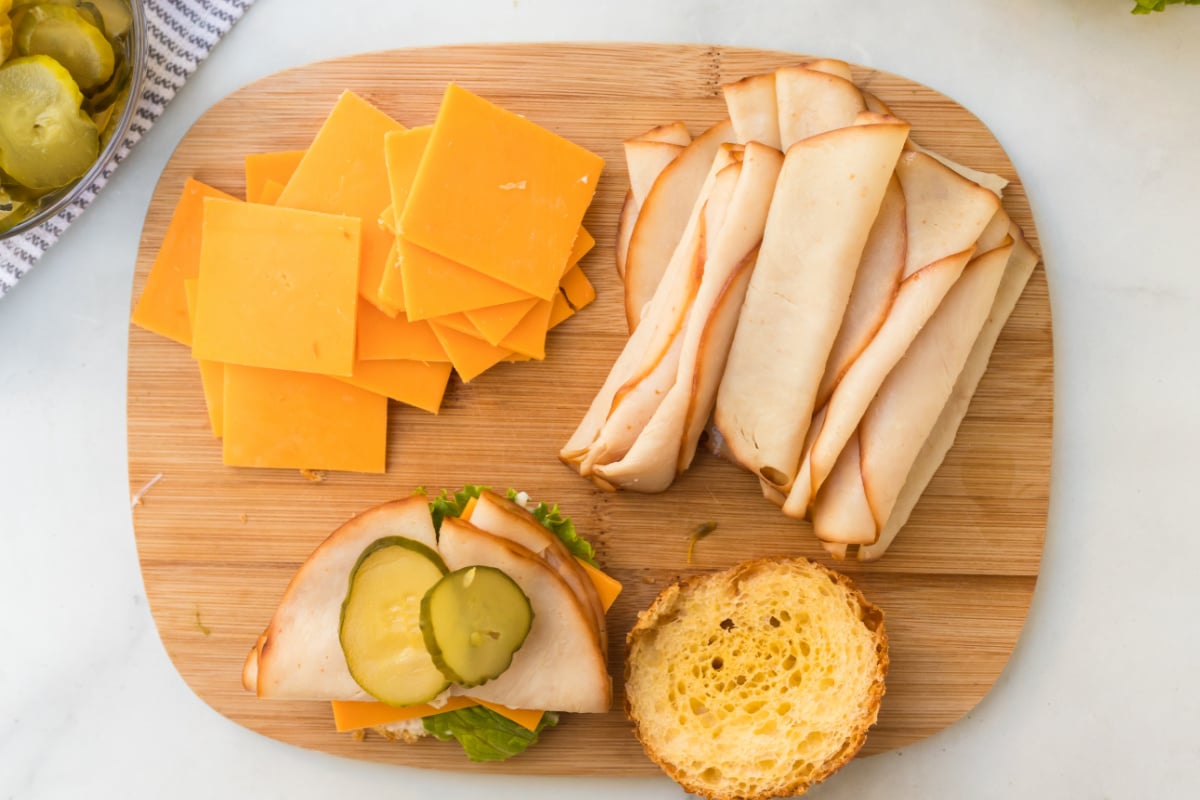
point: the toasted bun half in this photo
(756, 682)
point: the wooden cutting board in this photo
(218, 545)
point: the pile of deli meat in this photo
(814, 289)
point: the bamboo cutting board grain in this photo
(218, 545)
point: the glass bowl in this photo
(54, 202)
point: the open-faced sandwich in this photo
(470, 616)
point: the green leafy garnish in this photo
(1147, 6)
(452, 505)
(484, 734)
(562, 527)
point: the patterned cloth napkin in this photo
(181, 33)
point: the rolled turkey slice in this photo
(504, 518)
(812, 102)
(874, 465)
(752, 109)
(945, 214)
(663, 217)
(639, 399)
(299, 657)
(560, 666)
(649, 344)
(644, 167)
(827, 197)
(1020, 266)
(736, 219)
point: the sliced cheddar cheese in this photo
(278, 288)
(270, 193)
(529, 336)
(499, 194)
(415, 383)
(344, 172)
(607, 586)
(583, 244)
(212, 373)
(297, 420)
(383, 338)
(435, 286)
(460, 322)
(162, 308)
(527, 718)
(402, 152)
(470, 355)
(496, 322)
(575, 292)
(264, 168)
(353, 715)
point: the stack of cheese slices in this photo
(815, 289)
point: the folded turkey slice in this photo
(1020, 266)
(753, 110)
(814, 98)
(560, 666)
(945, 215)
(304, 629)
(651, 350)
(826, 200)
(664, 216)
(735, 217)
(646, 156)
(861, 492)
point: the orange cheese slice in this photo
(384, 338)
(402, 152)
(607, 586)
(162, 308)
(435, 286)
(352, 715)
(278, 288)
(582, 245)
(529, 336)
(527, 718)
(270, 192)
(459, 322)
(297, 420)
(212, 373)
(488, 180)
(264, 168)
(344, 172)
(496, 322)
(575, 292)
(415, 383)
(470, 355)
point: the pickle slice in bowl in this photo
(46, 139)
(70, 38)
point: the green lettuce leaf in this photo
(1147, 6)
(484, 734)
(562, 527)
(451, 505)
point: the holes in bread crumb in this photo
(805, 649)
(753, 707)
(783, 708)
(741, 680)
(795, 679)
(727, 625)
(711, 775)
(697, 706)
(789, 663)
(773, 621)
(718, 662)
(785, 616)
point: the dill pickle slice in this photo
(64, 34)
(46, 140)
(474, 620)
(6, 36)
(380, 629)
(116, 16)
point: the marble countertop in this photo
(1099, 111)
